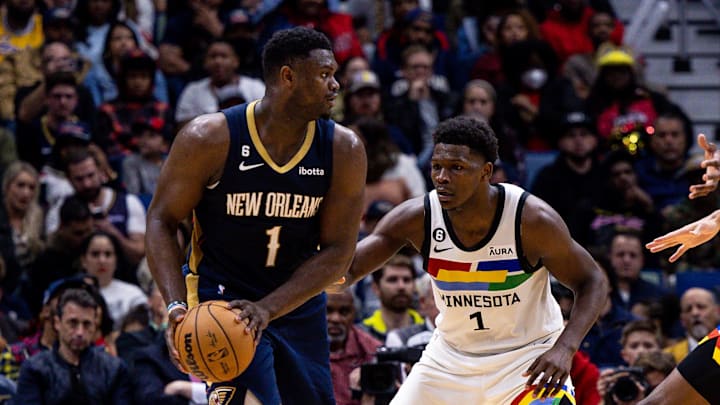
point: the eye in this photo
(324, 75)
(435, 166)
(457, 167)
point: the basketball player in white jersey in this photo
(490, 250)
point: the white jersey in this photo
(490, 299)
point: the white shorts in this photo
(445, 376)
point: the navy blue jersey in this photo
(255, 226)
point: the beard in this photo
(698, 331)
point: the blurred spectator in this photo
(21, 222)
(59, 25)
(120, 214)
(345, 73)
(391, 175)
(141, 169)
(103, 78)
(512, 26)
(417, 335)
(626, 262)
(73, 371)
(221, 64)
(135, 333)
(419, 101)
(656, 366)
(100, 259)
(54, 57)
(61, 257)
(350, 345)
(416, 27)
(135, 102)
(699, 314)
(315, 14)
(662, 172)
(619, 204)
(534, 99)
(566, 29)
(573, 177)
(393, 284)
(21, 28)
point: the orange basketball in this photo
(212, 346)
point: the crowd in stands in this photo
(93, 91)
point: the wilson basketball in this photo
(212, 346)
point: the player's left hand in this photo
(711, 164)
(256, 317)
(550, 371)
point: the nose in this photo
(334, 85)
(441, 176)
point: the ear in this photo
(487, 170)
(287, 75)
(56, 323)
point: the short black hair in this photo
(79, 297)
(471, 132)
(398, 260)
(60, 78)
(288, 45)
(73, 209)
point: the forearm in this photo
(371, 253)
(32, 104)
(309, 280)
(589, 299)
(163, 253)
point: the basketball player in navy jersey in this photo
(276, 194)
(490, 250)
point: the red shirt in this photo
(569, 38)
(360, 348)
(338, 27)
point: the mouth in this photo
(444, 195)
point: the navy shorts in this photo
(292, 360)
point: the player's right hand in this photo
(174, 318)
(711, 164)
(339, 286)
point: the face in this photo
(100, 259)
(25, 6)
(402, 7)
(514, 30)
(622, 176)
(617, 77)
(76, 329)
(420, 32)
(601, 26)
(151, 143)
(340, 317)
(457, 172)
(626, 257)
(221, 62)
(310, 8)
(419, 66)
(395, 288)
(85, 179)
(478, 103)
(698, 312)
(76, 232)
(489, 29)
(21, 191)
(57, 58)
(354, 65)
(121, 42)
(138, 84)
(668, 143)
(61, 101)
(577, 143)
(638, 342)
(99, 10)
(315, 88)
(365, 102)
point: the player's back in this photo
(260, 221)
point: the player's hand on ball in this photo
(256, 317)
(550, 371)
(174, 318)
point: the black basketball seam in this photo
(197, 338)
(227, 338)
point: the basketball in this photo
(212, 346)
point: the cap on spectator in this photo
(418, 14)
(137, 60)
(57, 287)
(615, 57)
(378, 209)
(576, 119)
(58, 16)
(364, 79)
(74, 131)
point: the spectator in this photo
(61, 257)
(54, 57)
(393, 284)
(699, 314)
(656, 366)
(350, 346)
(59, 25)
(566, 28)
(141, 169)
(117, 213)
(103, 78)
(662, 172)
(21, 28)
(21, 219)
(73, 371)
(100, 259)
(573, 177)
(135, 101)
(221, 64)
(417, 335)
(345, 73)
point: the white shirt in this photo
(198, 97)
(121, 297)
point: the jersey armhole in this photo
(425, 249)
(526, 265)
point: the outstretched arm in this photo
(545, 237)
(711, 164)
(689, 236)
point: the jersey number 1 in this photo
(273, 245)
(478, 318)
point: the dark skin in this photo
(674, 389)
(294, 97)
(461, 177)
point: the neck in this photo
(669, 165)
(69, 355)
(337, 347)
(17, 20)
(395, 320)
(281, 131)
(13, 213)
(581, 166)
(222, 82)
(624, 285)
(467, 224)
(105, 279)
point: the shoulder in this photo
(536, 212)
(347, 143)
(206, 132)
